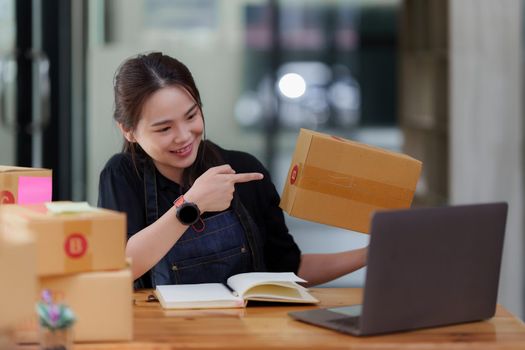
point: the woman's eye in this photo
(191, 116)
(163, 129)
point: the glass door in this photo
(24, 83)
(7, 82)
(40, 97)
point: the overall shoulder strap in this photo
(252, 233)
(152, 214)
(150, 193)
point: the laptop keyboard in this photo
(351, 321)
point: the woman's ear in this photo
(127, 134)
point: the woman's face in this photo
(170, 130)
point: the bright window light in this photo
(292, 85)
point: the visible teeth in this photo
(182, 149)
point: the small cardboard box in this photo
(18, 278)
(339, 182)
(68, 243)
(25, 185)
(102, 303)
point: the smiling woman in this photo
(170, 131)
(196, 213)
(153, 94)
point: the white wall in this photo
(486, 122)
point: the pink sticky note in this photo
(33, 190)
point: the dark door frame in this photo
(63, 132)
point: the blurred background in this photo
(440, 80)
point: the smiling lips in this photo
(183, 152)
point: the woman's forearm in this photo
(148, 246)
(321, 268)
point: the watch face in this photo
(188, 213)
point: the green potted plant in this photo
(56, 321)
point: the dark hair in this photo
(140, 77)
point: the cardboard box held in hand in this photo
(25, 185)
(70, 237)
(339, 182)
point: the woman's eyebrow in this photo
(168, 121)
(190, 109)
(161, 122)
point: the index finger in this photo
(246, 177)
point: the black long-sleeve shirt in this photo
(121, 188)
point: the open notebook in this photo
(261, 286)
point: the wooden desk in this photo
(269, 327)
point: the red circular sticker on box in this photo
(7, 197)
(293, 175)
(75, 245)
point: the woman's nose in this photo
(181, 134)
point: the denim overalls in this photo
(229, 244)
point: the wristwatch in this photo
(188, 213)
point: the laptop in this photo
(426, 267)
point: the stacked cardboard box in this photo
(80, 258)
(25, 185)
(18, 276)
(18, 252)
(101, 301)
(339, 182)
